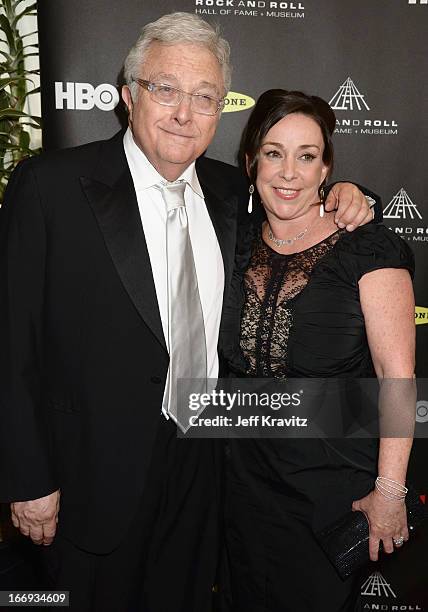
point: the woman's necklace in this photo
(279, 242)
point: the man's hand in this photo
(37, 518)
(352, 207)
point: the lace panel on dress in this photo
(271, 282)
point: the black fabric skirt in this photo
(278, 493)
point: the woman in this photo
(310, 301)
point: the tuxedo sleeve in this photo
(378, 214)
(25, 471)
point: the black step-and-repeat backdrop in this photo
(368, 58)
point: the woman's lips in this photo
(286, 194)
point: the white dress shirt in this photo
(206, 250)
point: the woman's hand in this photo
(387, 521)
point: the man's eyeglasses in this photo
(172, 96)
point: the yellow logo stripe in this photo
(421, 315)
(237, 102)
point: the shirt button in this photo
(156, 379)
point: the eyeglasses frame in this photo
(148, 85)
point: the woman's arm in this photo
(387, 303)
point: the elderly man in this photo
(115, 260)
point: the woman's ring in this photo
(398, 541)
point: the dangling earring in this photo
(321, 194)
(250, 201)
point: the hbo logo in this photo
(83, 96)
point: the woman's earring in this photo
(321, 192)
(250, 201)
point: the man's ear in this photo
(127, 98)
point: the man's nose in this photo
(183, 112)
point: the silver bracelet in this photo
(388, 495)
(397, 499)
(390, 488)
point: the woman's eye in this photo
(273, 153)
(308, 157)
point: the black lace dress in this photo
(298, 315)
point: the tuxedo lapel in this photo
(111, 195)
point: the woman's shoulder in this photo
(374, 238)
(372, 247)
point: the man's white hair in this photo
(172, 29)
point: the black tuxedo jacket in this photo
(83, 359)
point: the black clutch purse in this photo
(346, 541)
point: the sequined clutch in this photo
(346, 541)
